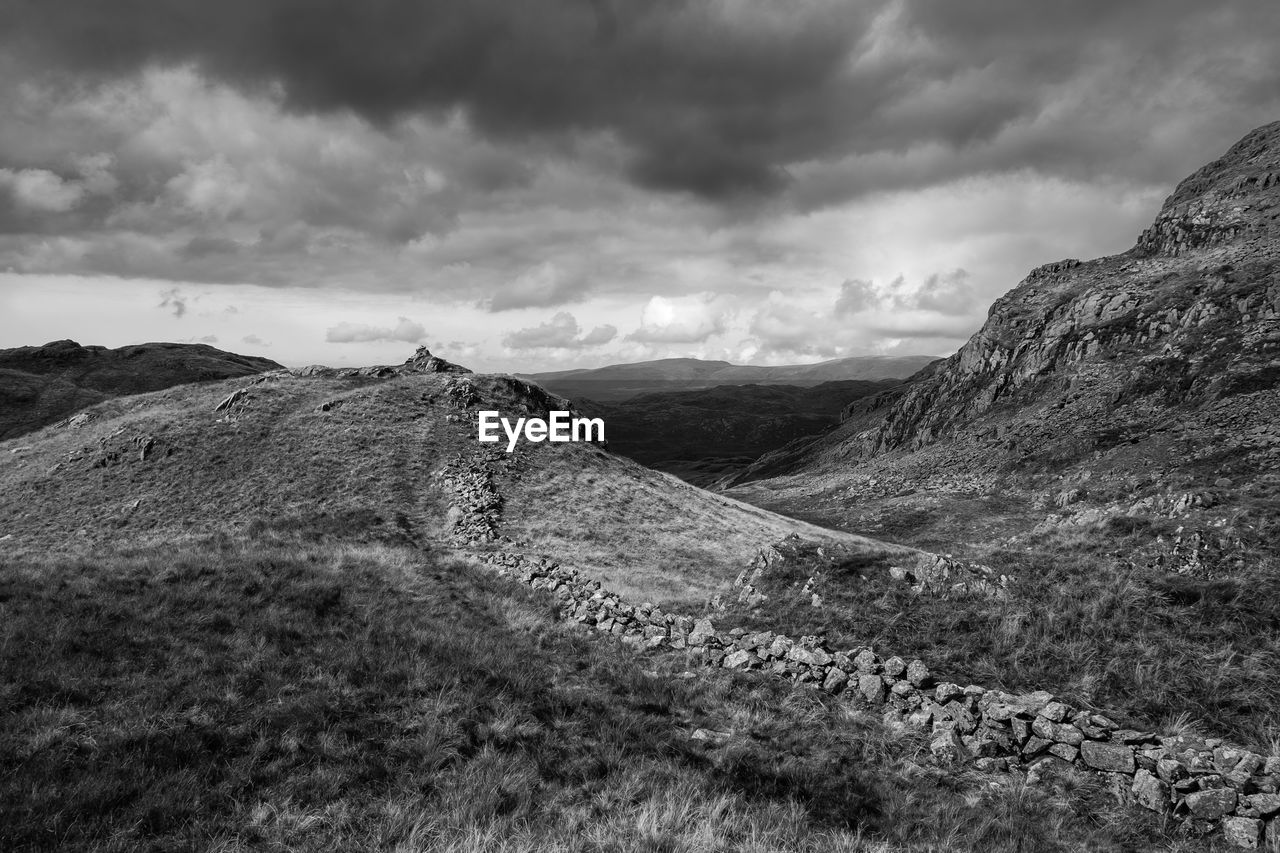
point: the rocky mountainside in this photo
(41, 385)
(620, 381)
(1115, 379)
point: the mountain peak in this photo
(1236, 197)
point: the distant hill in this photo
(42, 385)
(705, 434)
(620, 381)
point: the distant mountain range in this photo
(620, 381)
(41, 385)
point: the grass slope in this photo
(275, 694)
(369, 459)
(1082, 619)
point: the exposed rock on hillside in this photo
(1189, 316)
(1153, 369)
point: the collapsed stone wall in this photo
(945, 576)
(476, 502)
(1204, 782)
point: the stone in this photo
(1170, 770)
(872, 688)
(780, 646)
(895, 667)
(1243, 832)
(1065, 751)
(1133, 736)
(836, 680)
(1020, 729)
(918, 673)
(947, 747)
(812, 657)
(1058, 732)
(1211, 805)
(1035, 746)
(1248, 764)
(1108, 756)
(703, 630)
(1055, 712)
(741, 659)
(1150, 792)
(1266, 805)
(946, 691)
(1226, 757)
(921, 718)
(866, 661)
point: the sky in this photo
(545, 184)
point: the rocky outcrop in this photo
(422, 361)
(1178, 337)
(1205, 782)
(945, 576)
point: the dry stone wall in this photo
(1205, 782)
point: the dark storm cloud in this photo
(707, 95)
(721, 99)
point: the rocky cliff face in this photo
(1083, 356)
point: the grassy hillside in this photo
(296, 693)
(311, 450)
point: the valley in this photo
(1028, 599)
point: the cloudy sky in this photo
(551, 183)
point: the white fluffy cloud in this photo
(560, 332)
(405, 330)
(681, 320)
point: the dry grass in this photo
(645, 534)
(1097, 628)
(369, 461)
(277, 695)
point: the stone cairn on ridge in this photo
(1203, 781)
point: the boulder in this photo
(1243, 832)
(1211, 805)
(1116, 758)
(1150, 792)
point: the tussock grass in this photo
(645, 534)
(1080, 619)
(276, 694)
